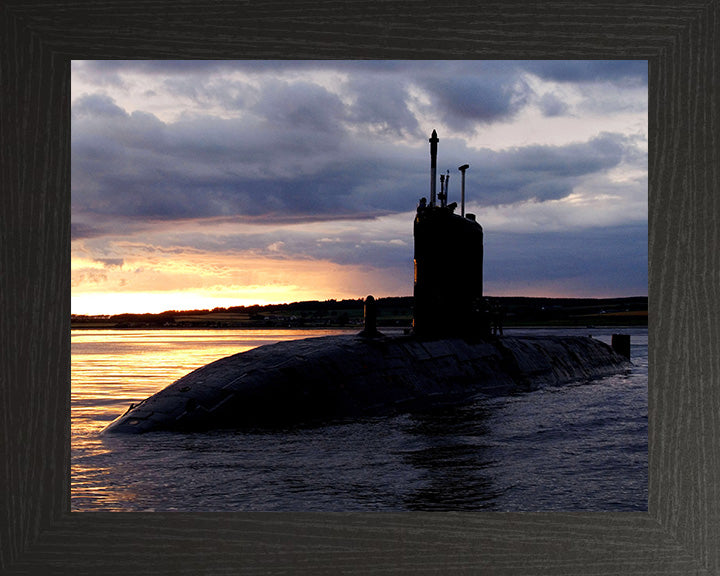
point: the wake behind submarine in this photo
(449, 356)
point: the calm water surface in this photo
(576, 447)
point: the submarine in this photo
(452, 353)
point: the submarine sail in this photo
(448, 265)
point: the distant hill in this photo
(393, 311)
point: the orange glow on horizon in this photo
(207, 281)
(149, 280)
(95, 304)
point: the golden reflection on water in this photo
(572, 448)
(110, 369)
(113, 368)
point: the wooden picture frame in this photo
(680, 533)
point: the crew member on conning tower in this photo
(448, 266)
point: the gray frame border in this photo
(681, 532)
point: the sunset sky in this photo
(198, 184)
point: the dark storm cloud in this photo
(298, 164)
(536, 172)
(97, 105)
(465, 101)
(464, 93)
(383, 105)
(618, 71)
(78, 231)
(292, 159)
(206, 67)
(302, 106)
(551, 105)
(559, 70)
(197, 177)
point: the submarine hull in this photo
(332, 377)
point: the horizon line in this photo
(220, 308)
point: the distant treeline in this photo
(393, 311)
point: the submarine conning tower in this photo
(448, 291)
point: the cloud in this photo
(293, 164)
(97, 105)
(466, 101)
(83, 277)
(564, 70)
(300, 106)
(540, 172)
(78, 231)
(382, 107)
(552, 105)
(110, 262)
(102, 68)
(618, 71)
(323, 162)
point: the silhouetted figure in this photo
(497, 316)
(370, 313)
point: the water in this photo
(580, 447)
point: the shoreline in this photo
(349, 328)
